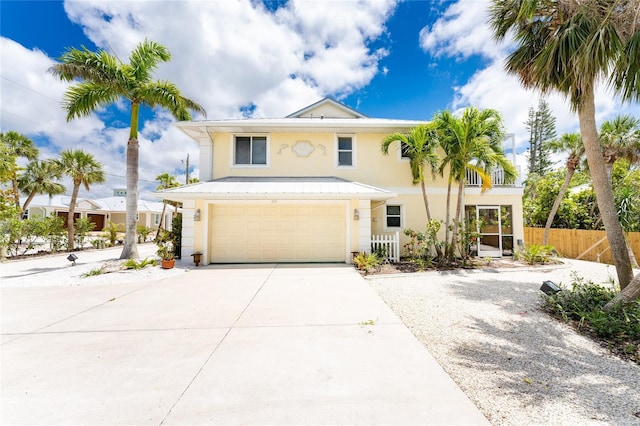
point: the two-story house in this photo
(314, 187)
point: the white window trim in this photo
(232, 152)
(402, 217)
(354, 150)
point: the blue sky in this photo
(385, 58)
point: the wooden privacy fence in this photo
(388, 244)
(580, 243)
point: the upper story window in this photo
(404, 151)
(250, 150)
(346, 149)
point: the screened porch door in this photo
(490, 242)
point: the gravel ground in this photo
(56, 270)
(518, 365)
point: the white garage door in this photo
(277, 233)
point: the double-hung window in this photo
(345, 151)
(250, 151)
(394, 216)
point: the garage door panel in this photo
(277, 233)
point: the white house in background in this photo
(100, 210)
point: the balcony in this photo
(497, 178)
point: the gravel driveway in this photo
(518, 365)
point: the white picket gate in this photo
(389, 244)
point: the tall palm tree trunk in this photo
(556, 204)
(70, 216)
(426, 200)
(130, 250)
(28, 201)
(602, 188)
(16, 192)
(456, 220)
(426, 206)
(448, 249)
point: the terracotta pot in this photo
(168, 264)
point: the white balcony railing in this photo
(497, 178)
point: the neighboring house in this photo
(99, 210)
(314, 187)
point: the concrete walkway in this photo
(268, 344)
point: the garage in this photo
(278, 232)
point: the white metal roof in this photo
(289, 188)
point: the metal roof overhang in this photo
(197, 129)
(265, 188)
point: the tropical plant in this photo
(568, 47)
(620, 139)
(366, 262)
(83, 169)
(105, 80)
(39, 178)
(420, 146)
(571, 144)
(14, 146)
(133, 264)
(166, 181)
(111, 231)
(143, 233)
(471, 142)
(165, 245)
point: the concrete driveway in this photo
(267, 344)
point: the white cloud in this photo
(225, 55)
(463, 31)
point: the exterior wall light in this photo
(196, 215)
(356, 214)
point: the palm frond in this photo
(82, 99)
(145, 57)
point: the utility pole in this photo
(186, 181)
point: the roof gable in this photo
(327, 108)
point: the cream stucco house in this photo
(315, 187)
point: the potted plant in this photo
(166, 250)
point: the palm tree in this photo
(105, 79)
(567, 47)
(620, 138)
(419, 145)
(83, 169)
(166, 181)
(471, 142)
(39, 178)
(16, 145)
(571, 144)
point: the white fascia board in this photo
(285, 196)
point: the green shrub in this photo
(535, 254)
(366, 262)
(583, 305)
(83, 226)
(133, 264)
